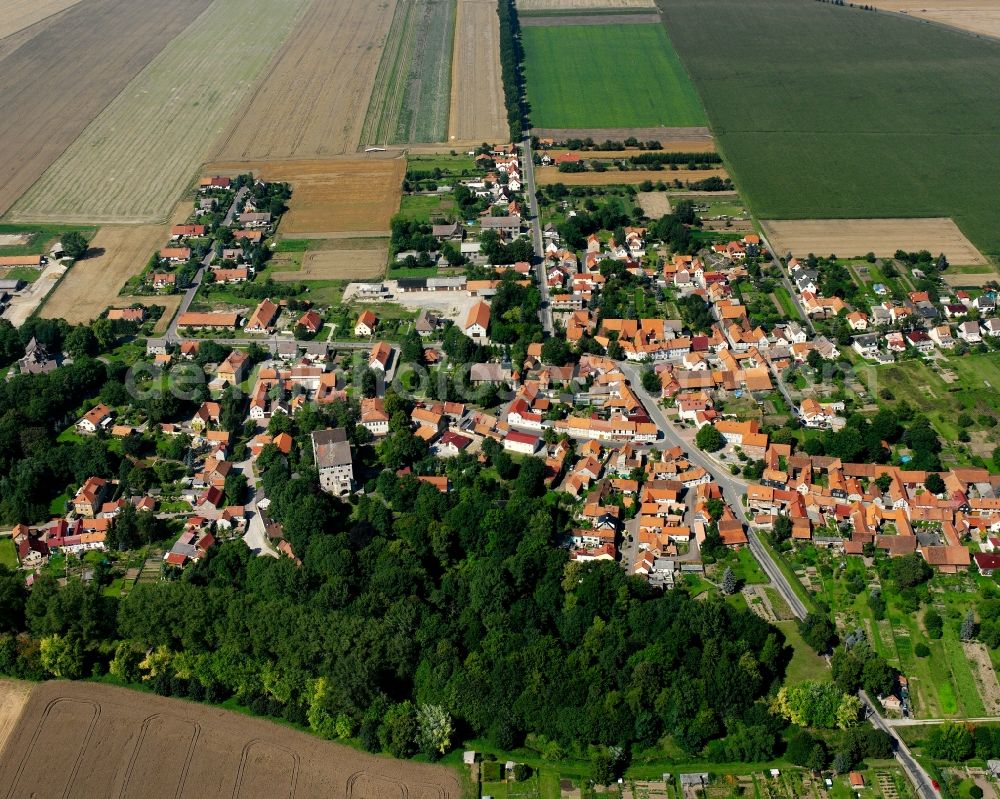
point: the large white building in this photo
(332, 454)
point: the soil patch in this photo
(477, 99)
(654, 203)
(340, 264)
(13, 697)
(14, 239)
(851, 237)
(355, 195)
(116, 742)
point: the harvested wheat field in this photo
(572, 5)
(346, 264)
(851, 237)
(134, 161)
(13, 697)
(477, 98)
(354, 195)
(315, 92)
(654, 204)
(92, 284)
(116, 742)
(548, 175)
(57, 82)
(978, 16)
(21, 14)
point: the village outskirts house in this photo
(97, 418)
(477, 322)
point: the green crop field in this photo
(412, 93)
(846, 112)
(607, 76)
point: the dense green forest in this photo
(414, 599)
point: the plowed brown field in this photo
(21, 14)
(851, 237)
(314, 96)
(55, 83)
(115, 742)
(547, 175)
(92, 284)
(357, 195)
(477, 99)
(979, 16)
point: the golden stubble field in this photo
(478, 112)
(21, 14)
(313, 100)
(57, 81)
(356, 196)
(92, 284)
(848, 238)
(978, 16)
(91, 740)
(137, 157)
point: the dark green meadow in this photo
(831, 111)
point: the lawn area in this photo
(8, 555)
(460, 165)
(785, 301)
(974, 391)
(805, 664)
(422, 207)
(607, 76)
(904, 127)
(42, 237)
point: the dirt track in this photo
(547, 175)
(92, 284)
(55, 83)
(91, 740)
(979, 16)
(314, 95)
(353, 195)
(21, 14)
(477, 99)
(850, 237)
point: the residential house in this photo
(969, 332)
(97, 418)
(365, 326)
(477, 322)
(263, 318)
